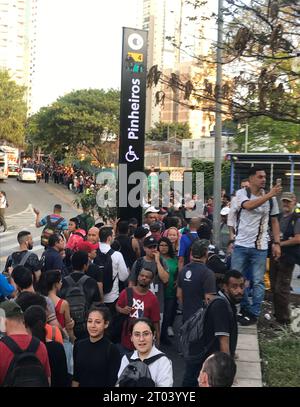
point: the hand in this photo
(156, 256)
(10, 270)
(70, 324)
(276, 190)
(127, 310)
(36, 211)
(276, 251)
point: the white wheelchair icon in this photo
(131, 156)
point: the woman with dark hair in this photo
(35, 321)
(96, 358)
(143, 339)
(50, 283)
(166, 250)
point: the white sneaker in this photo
(170, 331)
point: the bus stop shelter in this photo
(285, 166)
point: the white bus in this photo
(3, 165)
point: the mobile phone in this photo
(278, 181)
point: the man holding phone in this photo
(255, 212)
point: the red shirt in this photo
(146, 305)
(23, 341)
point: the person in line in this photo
(251, 242)
(144, 304)
(3, 205)
(220, 331)
(186, 242)
(35, 322)
(52, 258)
(96, 359)
(281, 271)
(76, 235)
(50, 285)
(93, 235)
(218, 370)
(143, 339)
(165, 248)
(62, 227)
(174, 236)
(16, 331)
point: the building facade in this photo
(18, 22)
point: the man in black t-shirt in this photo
(220, 330)
(196, 282)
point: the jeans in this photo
(242, 258)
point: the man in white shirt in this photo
(120, 270)
(251, 242)
(3, 204)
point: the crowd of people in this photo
(103, 298)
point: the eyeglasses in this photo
(145, 334)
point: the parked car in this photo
(13, 170)
(27, 174)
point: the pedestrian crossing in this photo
(24, 220)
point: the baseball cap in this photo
(11, 309)
(150, 242)
(141, 232)
(151, 209)
(155, 226)
(162, 211)
(199, 248)
(86, 246)
(225, 211)
(288, 196)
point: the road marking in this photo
(29, 209)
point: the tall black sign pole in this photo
(132, 117)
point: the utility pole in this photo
(218, 131)
(246, 137)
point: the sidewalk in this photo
(248, 362)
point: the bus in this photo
(3, 165)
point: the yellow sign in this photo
(136, 57)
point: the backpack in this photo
(137, 373)
(104, 261)
(24, 259)
(25, 369)
(49, 229)
(192, 332)
(192, 237)
(77, 301)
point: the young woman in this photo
(96, 359)
(165, 248)
(50, 284)
(35, 322)
(173, 235)
(143, 339)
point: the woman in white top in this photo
(3, 205)
(143, 338)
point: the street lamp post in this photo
(218, 131)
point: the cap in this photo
(162, 211)
(199, 248)
(140, 232)
(288, 196)
(155, 226)
(225, 211)
(150, 242)
(11, 309)
(151, 209)
(86, 246)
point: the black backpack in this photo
(50, 229)
(192, 237)
(137, 373)
(192, 333)
(25, 369)
(104, 261)
(77, 301)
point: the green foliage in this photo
(271, 136)
(281, 361)
(164, 131)
(12, 110)
(207, 167)
(88, 201)
(82, 121)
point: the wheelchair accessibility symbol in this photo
(131, 156)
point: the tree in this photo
(12, 110)
(164, 131)
(261, 63)
(81, 122)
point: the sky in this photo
(79, 45)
